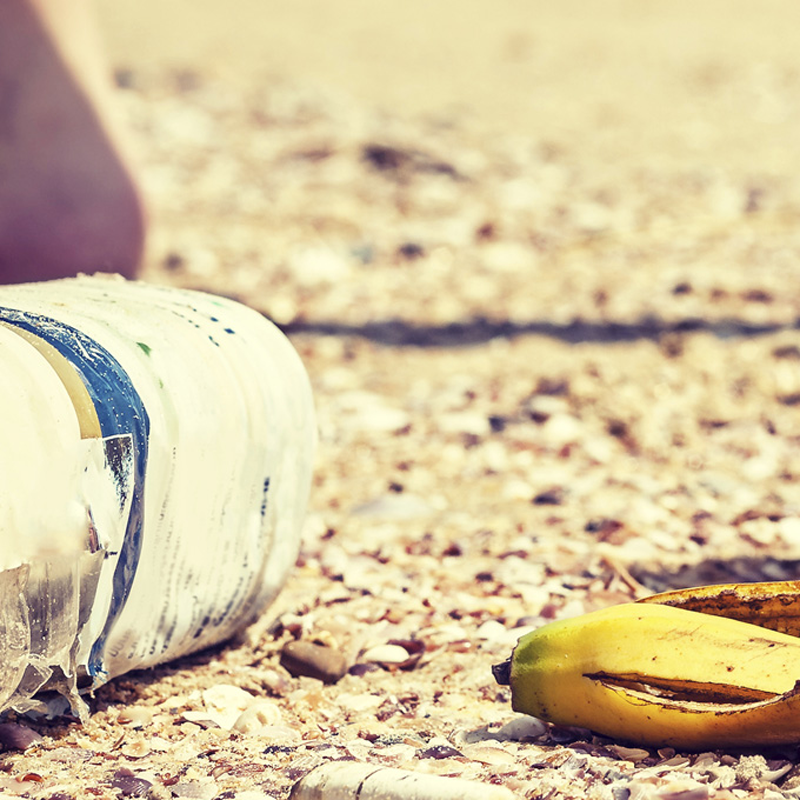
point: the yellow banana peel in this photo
(694, 669)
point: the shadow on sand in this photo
(479, 330)
(742, 569)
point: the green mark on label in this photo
(145, 347)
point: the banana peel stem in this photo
(502, 673)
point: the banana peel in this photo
(696, 669)
(774, 605)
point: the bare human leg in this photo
(68, 200)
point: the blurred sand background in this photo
(675, 79)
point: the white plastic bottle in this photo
(156, 448)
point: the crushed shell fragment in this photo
(346, 780)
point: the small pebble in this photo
(224, 704)
(68, 755)
(487, 754)
(683, 790)
(17, 737)
(136, 716)
(225, 696)
(136, 749)
(395, 507)
(363, 701)
(198, 720)
(278, 733)
(129, 785)
(257, 716)
(314, 661)
(492, 630)
(275, 682)
(633, 754)
(523, 728)
(359, 670)
(383, 419)
(549, 497)
(482, 734)
(440, 751)
(353, 781)
(386, 654)
(194, 790)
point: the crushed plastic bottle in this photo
(157, 447)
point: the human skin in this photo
(69, 202)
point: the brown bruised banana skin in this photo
(657, 675)
(774, 605)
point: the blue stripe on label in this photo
(120, 411)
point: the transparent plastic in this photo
(157, 448)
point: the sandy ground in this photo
(541, 264)
(687, 82)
